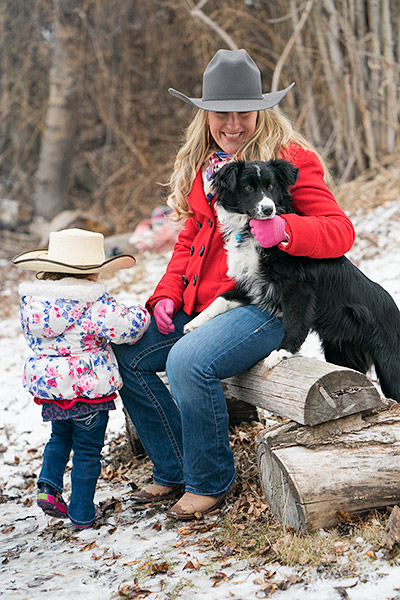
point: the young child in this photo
(68, 320)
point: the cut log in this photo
(306, 390)
(135, 444)
(392, 533)
(352, 464)
(240, 412)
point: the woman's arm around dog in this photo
(319, 228)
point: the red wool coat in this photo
(197, 271)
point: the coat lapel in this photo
(197, 197)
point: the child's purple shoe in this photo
(51, 502)
(82, 527)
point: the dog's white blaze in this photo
(265, 202)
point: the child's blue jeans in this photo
(85, 436)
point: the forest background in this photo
(86, 121)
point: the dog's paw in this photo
(275, 358)
(191, 326)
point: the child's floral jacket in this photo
(68, 325)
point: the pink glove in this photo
(269, 232)
(163, 311)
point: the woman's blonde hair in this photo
(273, 132)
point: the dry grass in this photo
(374, 187)
(268, 539)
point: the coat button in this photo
(198, 224)
(185, 280)
(195, 280)
(202, 250)
(191, 250)
(210, 222)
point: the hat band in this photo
(231, 97)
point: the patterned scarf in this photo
(215, 163)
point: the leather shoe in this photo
(177, 513)
(144, 497)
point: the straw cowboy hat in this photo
(73, 251)
(232, 83)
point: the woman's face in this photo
(231, 129)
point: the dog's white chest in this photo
(244, 266)
(243, 260)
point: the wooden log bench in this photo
(339, 450)
(305, 390)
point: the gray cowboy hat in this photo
(232, 83)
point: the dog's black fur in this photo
(357, 321)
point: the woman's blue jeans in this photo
(187, 435)
(85, 436)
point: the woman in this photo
(185, 433)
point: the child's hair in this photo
(57, 276)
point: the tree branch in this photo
(197, 12)
(289, 45)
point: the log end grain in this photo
(339, 393)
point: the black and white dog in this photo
(357, 321)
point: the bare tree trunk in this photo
(374, 78)
(354, 77)
(61, 119)
(390, 91)
(4, 92)
(306, 74)
(334, 110)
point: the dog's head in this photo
(256, 189)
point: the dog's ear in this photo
(286, 173)
(225, 180)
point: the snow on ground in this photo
(42, 557)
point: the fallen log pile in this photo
(310, 474)
(340, 450)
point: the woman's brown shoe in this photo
(146, 496)
(199, 505)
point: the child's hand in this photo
(269, 232)
(163, 312)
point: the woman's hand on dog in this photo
(269, 232)
(163, 313)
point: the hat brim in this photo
(231, 105)
(36, 260)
